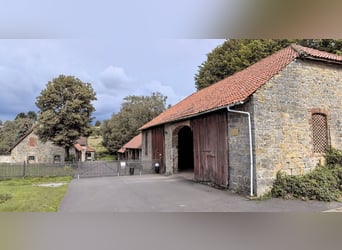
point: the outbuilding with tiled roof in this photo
(278, 114)
(132, 149)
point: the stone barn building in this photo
(294, 101)
(30, 149)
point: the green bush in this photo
(324, 183)
(333, 157)
(321, 184)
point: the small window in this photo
(57, 159)
(31, 159)
(89, 156)
(320, 132)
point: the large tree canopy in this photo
(135, 111)
(65, 111)
(235, 55)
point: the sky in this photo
(115, 67)
(135, 47)
(122, 48)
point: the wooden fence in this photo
(77, 169)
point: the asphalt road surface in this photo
(156, 193)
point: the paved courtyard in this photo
(176, 193)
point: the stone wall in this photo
(146, 149)
(5, 159)
(32, 146)
(171, 145)
(282, 118)
(239, 151)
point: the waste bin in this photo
(156, 167)
(131, 171)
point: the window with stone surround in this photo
(56, 158)
(320, 135)
(31, 159)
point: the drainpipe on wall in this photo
(250, 142)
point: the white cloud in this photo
(114, 84)
(115, 69)
(115, 78)
(166, 90)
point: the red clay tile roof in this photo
(239, 86)
(317, 54)
(134, 143)
(78, 147)
(122, 150)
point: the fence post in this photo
(24, 169)
(78, 170)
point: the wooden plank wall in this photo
(158, 146)
(211, 148)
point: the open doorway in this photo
(185, 150)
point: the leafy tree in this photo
(12, 131)
(32, 116)
(65, 111)
(135, 111)
(24, 126)
(97, 123)
(235, 55)
(21, 115)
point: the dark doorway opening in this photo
(185, 150)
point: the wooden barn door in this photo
(158, 152)
(211, 148)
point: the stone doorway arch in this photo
(183, 149)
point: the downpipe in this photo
(250, 144)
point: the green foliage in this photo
(96, 131)
(235, 55)
(135, 111)
(333, 157)
(65, 111)
(102, 153)
(31, 115)
(324, 183)
(12, 131)
(106, 157)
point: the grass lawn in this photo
(22, 195)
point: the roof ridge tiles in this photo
(239, 86)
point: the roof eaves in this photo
(287, 55)
(22, 138)
(302, 54)
(238, 102)
(319, 59)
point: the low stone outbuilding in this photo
(294, 101)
